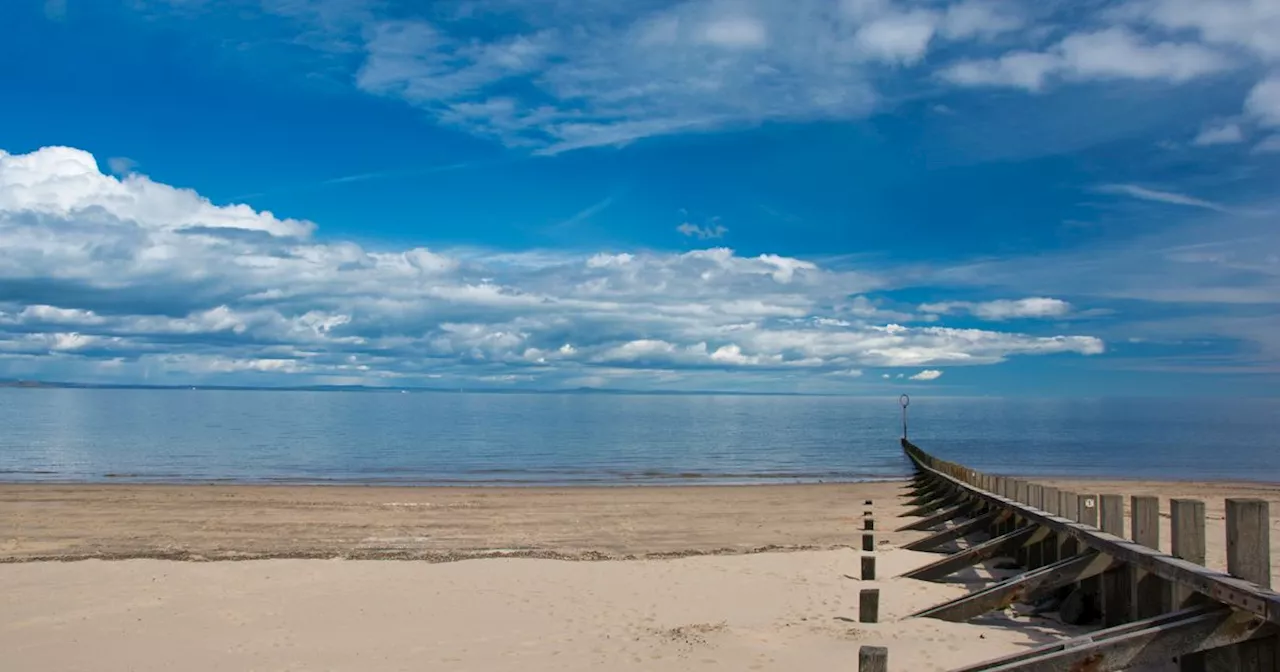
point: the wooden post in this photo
(1249, 540)
(1035, 552)
(1149, 591)
(868, 502)
(1187, 526)
(868, 524)
(1051, 505)
(1088, 515)
(868, 542)
(1248, 558)
(1070, 510)
(869, 605)
(873, 659)
(1116, 584)
(868, 568)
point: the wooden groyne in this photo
(1152, 608)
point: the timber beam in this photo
(940, 517)
(1148, 642)
(985, 551)
(987, 519)
(1024, 588)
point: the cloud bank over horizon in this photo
(127, 279)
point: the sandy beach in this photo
(742, 578)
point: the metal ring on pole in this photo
(904, 401)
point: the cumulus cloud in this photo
(1034, 307)
(927, 374)
(122, 276)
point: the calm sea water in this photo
(434, 438)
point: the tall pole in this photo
(905, 401)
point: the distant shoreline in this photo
(57, 385)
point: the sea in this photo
(438, 438)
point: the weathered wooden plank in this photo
(1069, 509)
(1024, 588)
(963, 529)
(1150, 593)
(939, 517)
(1091, 588)
(1051, 545)
(868, 568)
(1146, 642)
(1035, 552)
(1117, 584)
(1187, 542)
(973, 555)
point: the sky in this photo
(968, 197)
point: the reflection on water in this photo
(321, 437)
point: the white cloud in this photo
(132, 276)
(66, 183)
(736, 32)
(1142, 193)
(712, 230)
(927, 374)
(1268, 145)
(1245, 24)
(897, 38)
(980, 18)
(1263, 103)
(1222, 134)
(1111, 53)
(1034, 307)
(121, 165)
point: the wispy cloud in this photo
(927, 374)
(1220, 134)
(1034, 307)
(1268, 145)
(710, 231)
(121, 165)
(1173, 198)
(356, 178)
(588, 212)
(55, 10)
(1111, 53)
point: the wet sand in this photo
(237, 522)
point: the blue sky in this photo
(845, 196)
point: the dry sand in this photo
(743, 611)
